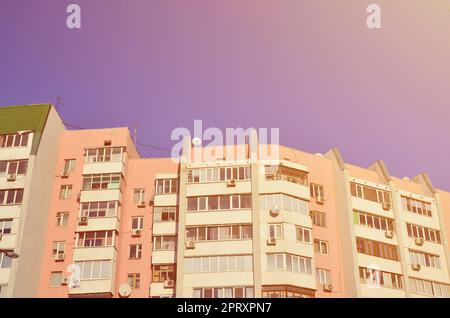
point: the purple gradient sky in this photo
(311, 68)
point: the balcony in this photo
(94, 286)
(293, 185)
(217, 279)
(103, 167)
(4, 275)
(100, 224)
(17, 183)
(289, 278)
(371, 207)
(94, 253)
(225, 217)
(164, 228)
(163, 257)
(166, 199)
(229, 247)
(218, 188)
(110, 194)
(381, 292)
(158, 289)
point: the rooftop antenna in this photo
(59, 102)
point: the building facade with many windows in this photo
(29, 138)
(242, 221)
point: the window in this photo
(5, 261)
(369, 193)
(303, 234)
(58, 248)
(416, 206)
(373, 221)
(323, 276)
(214, 264)
(222, 202)
(96, 210)
(96, 239)
(430, 235)
(284, 202)
(375, 248)
(224, 292)
(14, 140)
(276, 231)
(218, 174)
(135, 251)
(166, 186)
(284, 291)
(65, 192)
(62, 218)
(321, 247)
(98, 269)
(287, 174)
(134, 280)
(377, 278)
(56, 279)
(319, 218)
(13, 167)
(421, 286)
(3, 291)
(289, 262)
(164, 214)
(164, 243)
(11, 196)
(138, 195)
(424, 259)
(102, 181)
(219, 233)
(69, 165)
(316, 191)
(137, 223)
(112, 154)
(5, 226)
(162, 273)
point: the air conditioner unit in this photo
(83, 221)
(135, 233)
(320, 200)
(64, 282)
(107, 142)
(231, 183)
(11, 177)
(389, 234)
(170, 283)
(274, 211)
(60, 257)
(151, 202)
(415, 267)
(64, 174)
(386, 206)
(327, 287)
(190, 244)
(418, 241)
(271, 241)
(141, 204)
(78, 197)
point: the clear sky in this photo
(311, 68)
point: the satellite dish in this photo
(124, 290)
(196, 141)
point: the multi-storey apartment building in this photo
(29, 138)
(249, 220)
